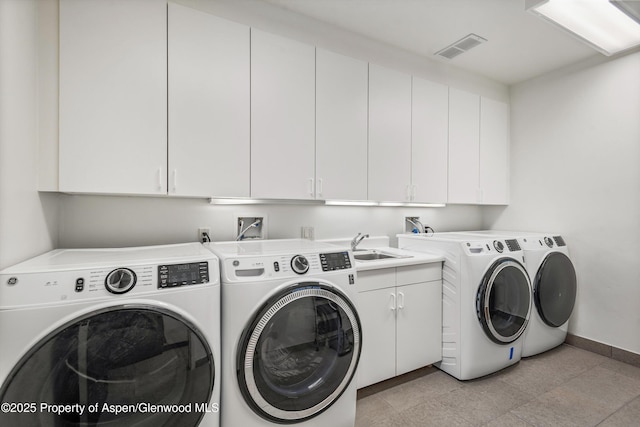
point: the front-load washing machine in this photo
(126, 337)
(554, 284)
(486, 301)
(291, 335)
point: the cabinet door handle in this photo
(319, 187)
(408, 193)
(400, 300)
(175, 180)
(160, 178)
(311, 186)
(393, 301)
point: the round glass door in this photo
(503, 302)
(555, 288)
(109, 367)
(299, 353)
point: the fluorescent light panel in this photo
(350, 203)
(597, 22)
(242, 201)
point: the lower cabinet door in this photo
(419, 326)
(378, 318)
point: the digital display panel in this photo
(183, 274)
(335, 261)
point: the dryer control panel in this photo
(492, 246)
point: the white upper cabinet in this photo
(209, 105)
(113, 96)
(464, 147)
(429, 141)
(494, 151)
(282, 117)
(478, 149)
(341, 127)
(389, 135)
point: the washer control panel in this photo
(253, 268)
(170, 276)
(335, 261)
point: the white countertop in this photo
(381, 244)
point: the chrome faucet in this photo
(356, 240)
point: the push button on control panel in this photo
(276, 266)
(79, 284)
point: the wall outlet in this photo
(308, 233)
(204, 234)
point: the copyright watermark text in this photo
(115, 409)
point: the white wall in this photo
(123, 221)
(575, 170)
(28, 220)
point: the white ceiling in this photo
(520, 45)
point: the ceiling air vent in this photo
(461, 46)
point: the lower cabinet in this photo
(401, 313)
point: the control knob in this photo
(120, 280)
(299, 264)
(498, 245)
(548, 241)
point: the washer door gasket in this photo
(299, 353)
(503, 301)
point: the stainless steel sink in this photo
(372, 256)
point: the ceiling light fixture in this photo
(245, 201)
(599, 23)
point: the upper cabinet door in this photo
(282, 117)
(389, 134)
(341, 127)
(464, 147)
(208, 105)
(429, 141)
(494, 151)
(113, 96)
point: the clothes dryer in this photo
(291, 335)
(126, 337)
(486, 300)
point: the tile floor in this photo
(566, 386)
